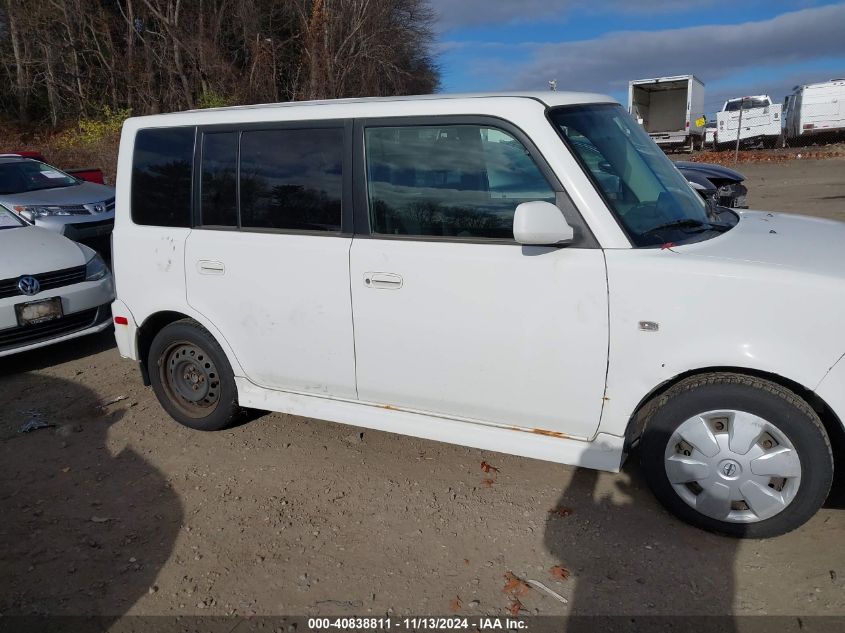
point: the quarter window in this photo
(161, 176)
(461, 181)
(292, 179)
(219, 179)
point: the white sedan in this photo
(51, 288)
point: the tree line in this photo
(65, 59)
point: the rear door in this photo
(453, 317)
(823, 106)
(268, 261)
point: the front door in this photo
(451, 315)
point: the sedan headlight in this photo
(31, 213)
(95, 269)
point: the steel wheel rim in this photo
(733, 466)
(191, 379)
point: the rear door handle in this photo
(391, 281)
(211, 267)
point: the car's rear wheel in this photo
(192, 378)
(737, 455)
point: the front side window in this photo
(292, 179)
(462, 181)
(161, 176)
(651, 199)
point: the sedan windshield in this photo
(30, 175)
(652, 201)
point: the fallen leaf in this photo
(561, 511)
(515, 606)
(66, 469)
(456, 604)
(515, 585)
(487, 468)
(466, 561)
(110, 401)
(559, 572)
(488, 482)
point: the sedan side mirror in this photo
(541, 223)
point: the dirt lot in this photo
(117, 510)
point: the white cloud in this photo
(607, 63)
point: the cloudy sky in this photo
(737, 47)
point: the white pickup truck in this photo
(755, 120)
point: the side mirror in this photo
(541, 223)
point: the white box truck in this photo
(670, 109)
(814, 109)
(755, 120)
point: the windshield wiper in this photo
(688, 223)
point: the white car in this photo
(520, 273)
(51, 289)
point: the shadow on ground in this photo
(623, 567)
(56, 354)
(89, 530)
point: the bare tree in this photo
(70, 58)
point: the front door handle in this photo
(210, 267)
(391, 281)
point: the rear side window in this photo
(219, 179)
(161, 176)
(292, 179)
(461, 181)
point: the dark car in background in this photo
(729, 190)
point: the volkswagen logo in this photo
(29, 285)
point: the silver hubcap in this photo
(733, 466)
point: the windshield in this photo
(30, 175)
(9, 220)
(651, 199)
(745, 104)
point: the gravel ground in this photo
(117, 510)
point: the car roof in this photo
(472, 103)
(10, 158)
(549, 98)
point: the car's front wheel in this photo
(736, 454)
(192, 377)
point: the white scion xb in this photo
(522, 273)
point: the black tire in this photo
(727, 391)
(188, 347)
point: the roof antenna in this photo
(553, 85)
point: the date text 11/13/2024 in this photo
(417, 624)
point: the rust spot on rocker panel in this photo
(557, 434)
(547, 433)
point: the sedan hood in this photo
(711, 170)
(75, 194)
(30, 250)
(778, 240)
